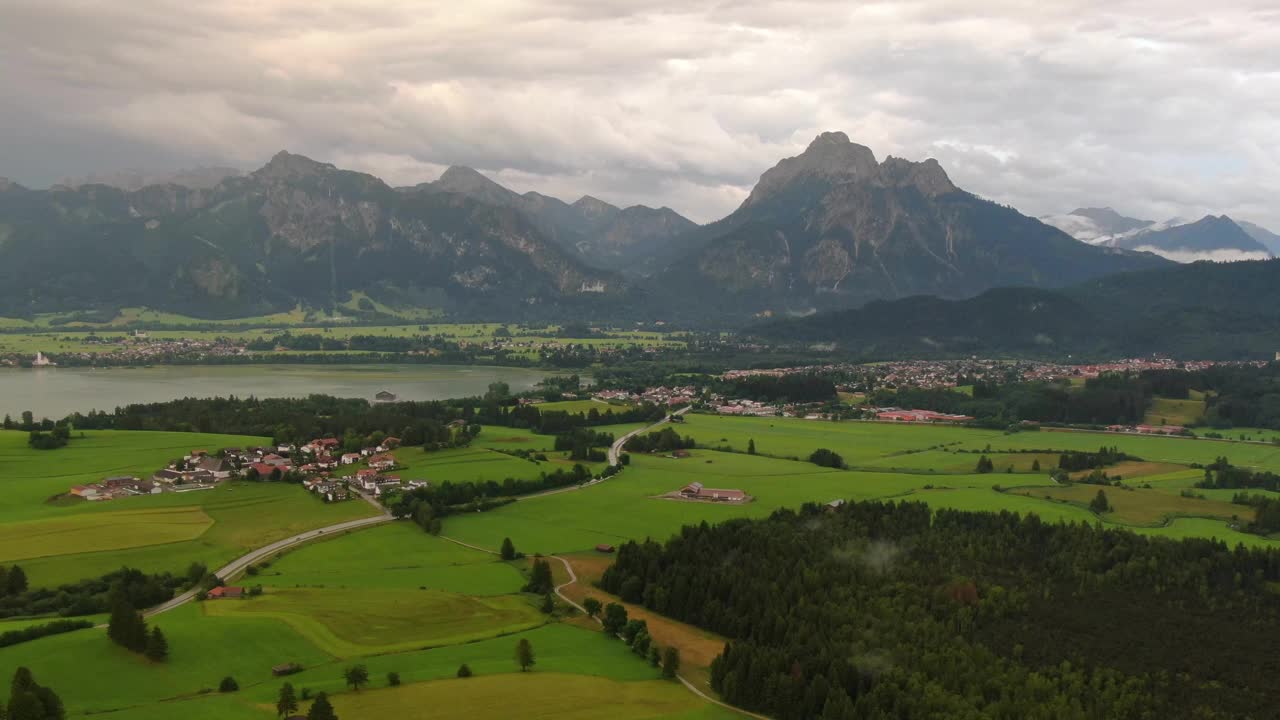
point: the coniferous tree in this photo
(287, 701)
(671, 663)
(524, 655)
(508, 551)
(751, 446)
(321, 708)
(464, 670)
(157, 646)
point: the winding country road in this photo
(266, 551)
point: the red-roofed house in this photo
(225, 591)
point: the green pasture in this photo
(398, 556)
(349, 623)
(629, 505)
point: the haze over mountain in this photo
(198, 178)
(295, 230)
(1216, 238)
(830, 228)
(833, 227)
(601, 234)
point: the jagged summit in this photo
(285, 164)
(833, 158)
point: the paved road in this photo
(266, 551)
(615, 450)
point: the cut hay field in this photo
(349, 623)
(244, 515)
(1141, 506)
(539, 695)
(101, 532)
(399, 556)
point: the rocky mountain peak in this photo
(592, 207)
(928, 177)
(468, 181)
(285, 165)
(831, 156)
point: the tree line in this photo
(879, 610)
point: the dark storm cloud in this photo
(1156, 108)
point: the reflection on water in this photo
(56, 392)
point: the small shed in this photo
(602, 547)
(286, 669)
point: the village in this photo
(314, 465)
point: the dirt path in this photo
(573, 579)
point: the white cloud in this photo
(1151, 106)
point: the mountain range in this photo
(830, 228)
(1215, 238)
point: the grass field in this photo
(1166, 411)
(1140, 506)
(350, 623)
(399, 556)
(478, 464)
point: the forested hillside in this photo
(883, 610)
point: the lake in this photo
(57, 392)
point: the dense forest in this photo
(891, 610)
(1220, 311)
(297, 420)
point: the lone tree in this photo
(357, 676)
(287, 702)
(524, 655)
(1035, 465)
(157, 646)
(1099, 503)
(464, 670)
(615, 618)
(540, 579)
(751, 446)
(592, 606)
(671, 663)
(508, 551)
(228, 684)
(322, 709)
(393, 679)
(985, 465)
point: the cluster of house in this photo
(752, 408)
(1149, 429)
(116, 487)
(696, 491)
(661, 395)
(919, 416)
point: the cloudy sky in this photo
(1157, 107)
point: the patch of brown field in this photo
(1131, 469)
(1141, 506)
(697, 647)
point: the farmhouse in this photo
(220, 468)
(384, 396)
(1161, 429)
(385, 461)
(696, 491)
(351, 458)
(225, 591)
(88, 492)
